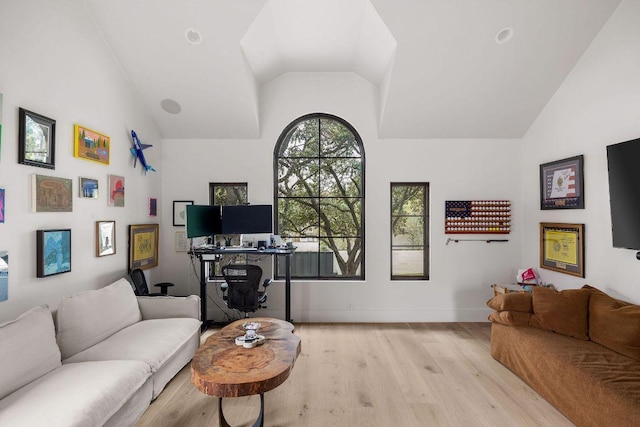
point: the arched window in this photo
(319, 197)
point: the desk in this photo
(213, 254)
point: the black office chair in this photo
(140, 287)
(241, 291)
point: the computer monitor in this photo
(247, 219)
(203, 220)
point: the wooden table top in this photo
(223, 369)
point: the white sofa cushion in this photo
(150, 341)
(76, 394)
(34, 335)
(89, 317)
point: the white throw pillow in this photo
(28, 349)
(89, 317)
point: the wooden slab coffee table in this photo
(223, 369)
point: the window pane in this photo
(336, 140)
(340, 217)
(408, 231)
(298, 217)
(298, 177)
(407, 199)
(301, 141)
(407, 262)
(340, 177)
(229, 194)
(347, 255)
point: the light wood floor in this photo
(417, 374)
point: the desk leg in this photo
(203, 296)
(287, 288)
(259, 421)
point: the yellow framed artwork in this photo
(143, 246)
(562, 248)
(91, 145)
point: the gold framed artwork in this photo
(51, 194)
(105, 238)
(143, 246)
(562, 248)
(91, 145)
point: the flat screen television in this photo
(247, 219)
(623, 160)
(203, 220)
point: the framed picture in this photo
(181, 241)
(562, 184)
(36, 140)
(153, 206)
(4, 276)
(53, 252)
(562, 248)
(2, 205)
(91, 145)
(105, 238)
(116, 191)
(51, 194)
(180, 211)
(88, 188)
(143, 246)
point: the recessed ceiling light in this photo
(504, 35)
(193, 36)
(170, 106)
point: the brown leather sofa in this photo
(578, 348)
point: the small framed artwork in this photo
(153, 206)
(2, 205)
(0, 123)
(562, 184)
(562, 248)
(181, 241)
(36, 140)
(91, 145)
(105, 238)
(4, 276)
(51, 194)
(180, 211)
(143, 246)
(53, 252)
(116, 191)
(88, 188)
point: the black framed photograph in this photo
(562, 248)
(180, 211)
(562, 184)
(53, 252)
(36, 140)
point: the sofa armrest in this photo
(164, 307)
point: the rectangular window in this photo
(410, 231)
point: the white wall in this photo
(597, 105)
(456, 170)
(55, 63)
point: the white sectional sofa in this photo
(108, 356)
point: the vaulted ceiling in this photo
(442, 68)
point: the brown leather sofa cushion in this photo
(510, 318)
(615, 324)
(511, 301)
(564, 312)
